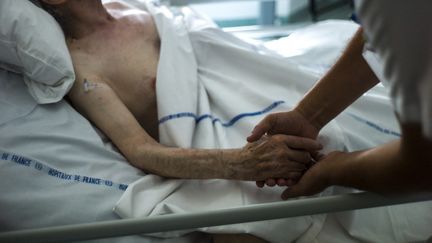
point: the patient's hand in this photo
(271, 182)
(289, 123)
(281, 156)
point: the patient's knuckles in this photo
(284, 153)
(270, 167)
(272, 151)
(280, 155)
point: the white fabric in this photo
(32, 43)
(315, 47)
(375, 63)
(400, 34)
(206, 80)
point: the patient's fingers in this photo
(277, 181)
(260, 184)
(288, 181)
(271, 182)
(262, 128)
(281, 182)
(285, 182)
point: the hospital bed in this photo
(50, 166)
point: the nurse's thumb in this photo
(292, 192)
(262, 128)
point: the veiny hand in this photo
(317, 178)
(273, 156)
(289, 123)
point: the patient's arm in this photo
(256, 161)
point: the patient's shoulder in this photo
(128, 13)
(119, 5)
(89, 58)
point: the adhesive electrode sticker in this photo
(88, 85)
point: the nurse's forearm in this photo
(371, 170)
(347, 80)
(401, 166)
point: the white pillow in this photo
(32, 43)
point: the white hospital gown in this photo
(401, 35)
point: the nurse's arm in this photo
(401, 166)
(346, 81)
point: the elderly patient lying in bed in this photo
(207, 81)
(115, 53)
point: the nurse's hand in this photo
(318, 177)
(289, 123)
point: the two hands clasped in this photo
(291, 160)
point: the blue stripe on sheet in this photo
(375, 126)
(229, 123)
(38, 166)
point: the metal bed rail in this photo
(251, 213)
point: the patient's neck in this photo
(82, 18)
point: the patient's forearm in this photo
(185, 163)
(268, 157)
(347, 80)
(236, 164)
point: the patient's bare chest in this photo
(131, 66)
(126, 57)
